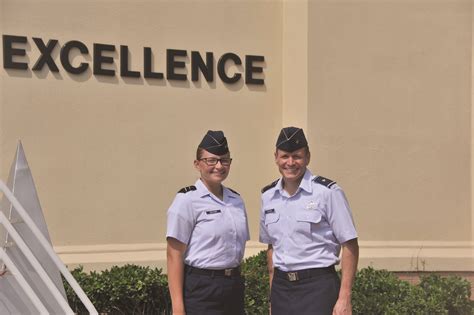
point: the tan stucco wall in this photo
(295, 64)
(472, 122)
(109, 154)
(382, 88)
(390, 114)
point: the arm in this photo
(270, 274)
(270, 263)
(349, 259)
(174, 252)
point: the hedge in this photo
(133, 289)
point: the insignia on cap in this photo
(324, 181)
(186, 189)
(214, 142)
(291, 139)
(273, 184)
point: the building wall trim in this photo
(391, 255)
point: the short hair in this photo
(305, 147)
(199, 152)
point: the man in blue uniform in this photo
(305, 220)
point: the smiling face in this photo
(214, 174)
(292, 165)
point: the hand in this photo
(342, 307)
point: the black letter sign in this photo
(124, 72)
(171, 64)
(221, 68)
(99, 59)
(207, 69)
(147, 65)
(45, 57)
(251, 69)
(9, 52)
(65, 57)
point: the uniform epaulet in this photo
(324, 181)
(273, 184)
(233, 191)
(186, 189)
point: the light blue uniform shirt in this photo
(215, 231)
(305, 229)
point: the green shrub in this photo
(450, 293)
(134, 289)
(255, 272)
(381, 292)
(129, 289)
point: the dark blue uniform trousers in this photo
(213, 295)
(310, 296)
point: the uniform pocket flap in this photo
(310, 216)
(271, 217)
(211, 215)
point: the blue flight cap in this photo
(291, 139)
(214, 142)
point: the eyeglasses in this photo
(213, 161)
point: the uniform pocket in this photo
(271, 218)
(211, 224)
(211, 215)
(306, 225)
(309, 216)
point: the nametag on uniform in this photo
(269, 211)
(213, 211)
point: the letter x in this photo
(45, 57)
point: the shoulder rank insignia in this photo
(324, 181)
(186, 189)
(233, 191)
(273, 184)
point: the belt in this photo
(303, 274)
(229, 272)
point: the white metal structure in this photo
(35, 263)
(23, 283)
(30, 271)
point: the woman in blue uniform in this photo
(206, 234)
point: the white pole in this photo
(35, 263)
(48, 248)
(22, 282)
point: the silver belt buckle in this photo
(228, 272)
(292, 276)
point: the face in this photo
(215, 174)
(292, 165)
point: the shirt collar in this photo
(305, 184)
(201, 188)
(229, 193)
(306, 181)
(203, 191)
